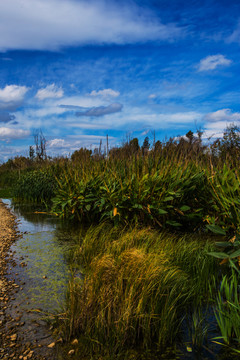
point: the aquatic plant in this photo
(227, 310)
(138, 286)
(230, 253)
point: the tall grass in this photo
(176, 186)
(139, 287)
(228, 309)
(164, 191)
(36, 186)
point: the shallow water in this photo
(39, 260)
(39, 268)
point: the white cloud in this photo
(217, 122)
(161, 121)
(182, 118)
(105, 93)
(235, 36)
(88, 125)
(56, 143)
(136, 119)
(8, 134)
(35, 115)
(152, 96)
(7, 151)
(214, 130)
(52, 24)
(12, 96)
(49, 92)
(82, 101)
(74, 142)
(212, 62)
(224, 115)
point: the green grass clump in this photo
(138, 288)
(6, 193)
(36, 186)
(227, 311)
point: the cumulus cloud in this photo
(49, 92)
(5, 117)
(101, 110)
(12, 96)
(212, 62)
(8, 134)
(217, 122)
(52, 24)
(224, 115)
(105, 93)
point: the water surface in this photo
(39, 259)
(39, 268)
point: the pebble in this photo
(13, 337)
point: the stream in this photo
(40, 270)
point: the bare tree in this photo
(40, 144)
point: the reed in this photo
(139, 287)
(167, 192)
(227, 310)
(182, 186)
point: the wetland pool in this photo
(38, 265)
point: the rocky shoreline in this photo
(13, 345)
(8, 234)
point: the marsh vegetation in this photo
(160, 247)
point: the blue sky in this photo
(79, 70)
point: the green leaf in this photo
(162, 212)
(137, 206)
(234, 266)
(223, 244)
(235, 254)
(173, 223)
(88, 207)
(168, 198)
(216, 229)
(219, 255)
(185, 208)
